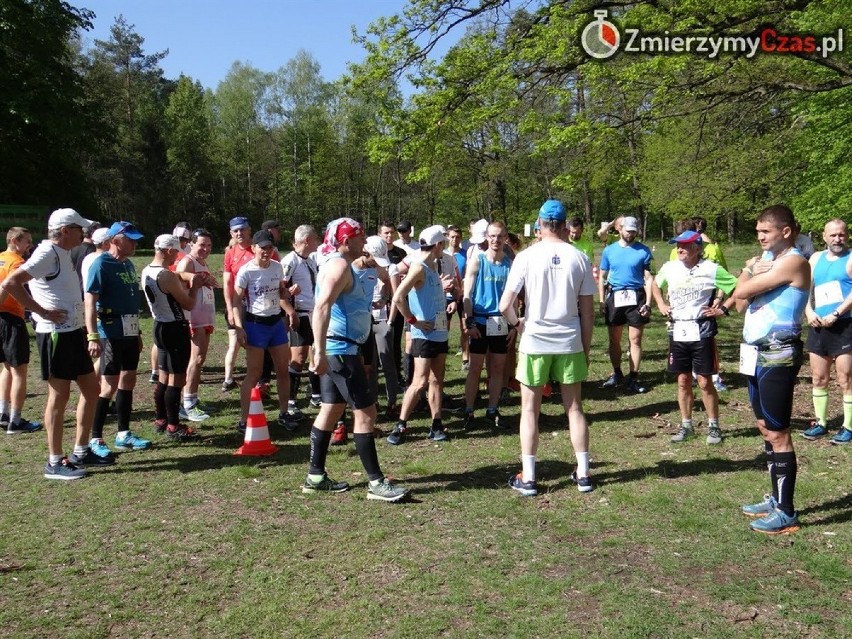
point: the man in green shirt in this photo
(575, 237)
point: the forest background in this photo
(515, 112)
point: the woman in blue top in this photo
(420, 300)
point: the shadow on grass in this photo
(288, 453)
(843, 506)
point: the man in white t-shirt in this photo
(556, 336)
(56, 300)
(405, 241)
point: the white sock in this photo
(4, 407)
(122, 434)
(189, 401)
(582, 464)
(80, 450)
(528, 467)
(55, 459)
(15, 416)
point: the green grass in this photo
(189, 541)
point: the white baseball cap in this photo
(64, 217)
(431, 235)
(478, 231)
(629, 224)
(167, 241)
(378, 248)
(100, 236)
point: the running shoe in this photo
(525, 488)
(287, 422)
(4, 419)
(634, 386)
(714, 435)
(816, 431)
(293, 412)
(613, 380)
(843, 436)
(469, 419)
(682, 435)
(99, 448)
(762, 508)
(438, 435)
(182, 433)
(338, 436)
(154, 377)
(22, 426)
(495, 418)
(64, 470)
(228, 385)
(131, 442)
(316, 401)
(720, 387)
(584, 484)
(194, 414)
(385, 490)
(396, 435)
(90, 458)
(325, 485)
(776, 522)
(160, 425)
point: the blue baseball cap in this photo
(126, 229)
(237, 223)
(687, 237)
(552, 210)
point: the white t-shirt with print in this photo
(262, 287)
(55, 286)
(555, 275)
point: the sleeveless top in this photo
(426, 303)
(164, 307)
(350, 320)
(773, 323)
(489, 286)
(832, 284)
(204, 312)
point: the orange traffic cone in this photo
(257, 442)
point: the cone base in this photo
(256, 449)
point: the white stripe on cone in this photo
(256, 407)
(257, 433)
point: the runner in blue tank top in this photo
(420, 299)
(485, 328)
(342, 377)
(775, 291)
(830, 333)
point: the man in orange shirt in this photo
(14, 339)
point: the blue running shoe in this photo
(761, 509)
(131, 442)
(22, 426)
(776, 523)
(99, 448)
(584, 484)
(395, 438)
(64, 470)
(526, 488)
(438, 435)
(816, 431)
(843, 436)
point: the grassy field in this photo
(190, 541)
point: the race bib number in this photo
(380, 314)
(828, 293)
(207, 296)
(130, 325)
(748, 359)
(75, 318)
(686, 331)
(270, 304)
(440, 321)
(495, 326)
(624, 298)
